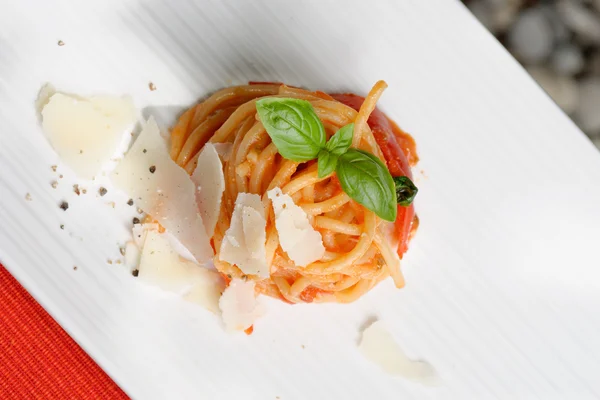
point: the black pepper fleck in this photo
(76, 189)
(130, 202)
(136, 220)
(135, 272)
(102, 191)
(64, 205)
(152, 169)
(144, 150)
(74, 267)
(62, 226)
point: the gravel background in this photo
(558, 42)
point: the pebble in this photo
(562, 89)
(484, 14)
(584, 23)
(588, 111)
(530, 37)
(561, 32)
(567, 60)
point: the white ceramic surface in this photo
(503, 278)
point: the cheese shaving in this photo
(164, 190)
(161, 266)
(239, 306)
(85, 133)
(302, 243)
(224, 150)
(378, 346)
(210, 182)
(244, 241)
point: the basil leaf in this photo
(367, 180)
(326, 163)
(293, 126)
(405, 190)
(341, 140)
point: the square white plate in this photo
(503, 278)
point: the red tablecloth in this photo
(38, 360)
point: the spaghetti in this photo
(361, 248)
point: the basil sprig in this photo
(293, 126)
(367, 180)
(299, 135)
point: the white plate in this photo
(503, 279)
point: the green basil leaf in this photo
(367, 180)
(405, 190)
(326, 163)
(293, 126)
(341, 140)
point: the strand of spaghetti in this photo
(283, 286)
(392, 261)
(250, 138)
(336, 285)
(231, 188)
(216, 100)
(265, 162)
(329, 240)
(337, 226)
(230, 96)
(352, 293)
(329, 256)
(308, 194)
(305, 179)
(288, 91)
(286, 170)
(230, 126)
(367, 107)
(202, 134)
(271, 245)
(327, 205)
(363, 244)
(335, 107)
(299, 285)
(180, 131)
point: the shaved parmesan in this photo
(223, 149)
(161, 266)
(207, 291)
(164, 190)
(302, 243)
(210, 181)
(86, 132)
(139, 232)
(378, 346)
(238, 304)
(244, 241)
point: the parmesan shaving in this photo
(378, 346)
(223, 149)
(161, 266)
(210, 181)
(244, 241)
(85, 132)
(163, 190)
(302, 243)
(239, 306)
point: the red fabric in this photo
(38, 360)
